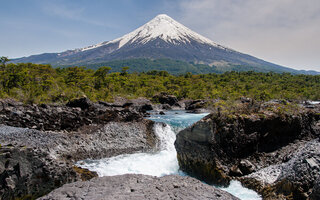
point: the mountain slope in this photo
(177, 67)
(162, 37)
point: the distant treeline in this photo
(177, 67)
(33, 83)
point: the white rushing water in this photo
(241, 192)
(163, 162)
(160, 163)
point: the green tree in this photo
(100, 77)
(124, 71)
(3, 62)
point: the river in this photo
(163, 162)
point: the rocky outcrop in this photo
(300, 173)
(141, 105)
(164, 98)
(295, 178)
(139, 187)
(27, 173)
(34, 162)
(195, 104)
(316, 190)
(71, 117)
(222, 147)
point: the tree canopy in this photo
(41, 83)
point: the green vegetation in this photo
(177, 67)
(138, 65)
(231, 109)
(32, 83)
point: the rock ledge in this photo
(140, 187)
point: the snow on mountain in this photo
(160, 38)
(162, 27)
(94, 46)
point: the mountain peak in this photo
(162, 16)
(161, 37)
(161, 27)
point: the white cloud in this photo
(282, 31)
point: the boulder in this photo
(164, 98)
(141, 104)
(195, 104)
(246, 167)
(223, 146)
(166, 107)
(132, 186)
(83, 103)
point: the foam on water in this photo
(241, 192)
(178, 120)
(160, 163)
(163, 162)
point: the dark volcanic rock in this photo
(34, 162)
(165, 98)
(26, 167)
(139, 105)
(138, 187)
(25, 172)
(315, 195)
(83, 103)
(301, 172)
(78, 113)
(295, 177)
(195, 104)
(222, 146)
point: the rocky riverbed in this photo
(39, 144)
(275, 153)
(36, 159)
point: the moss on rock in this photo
(85, 174)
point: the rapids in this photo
(161, 163)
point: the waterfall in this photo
(163, 162)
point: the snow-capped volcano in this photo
(161, 27)
(162, 37)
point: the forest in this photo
(178, 67)
(37, 83)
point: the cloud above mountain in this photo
(285, 32)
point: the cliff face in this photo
(34, 162)
(223, 147)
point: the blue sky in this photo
(285, 32)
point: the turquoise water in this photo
(164, 162)
(178, 120)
